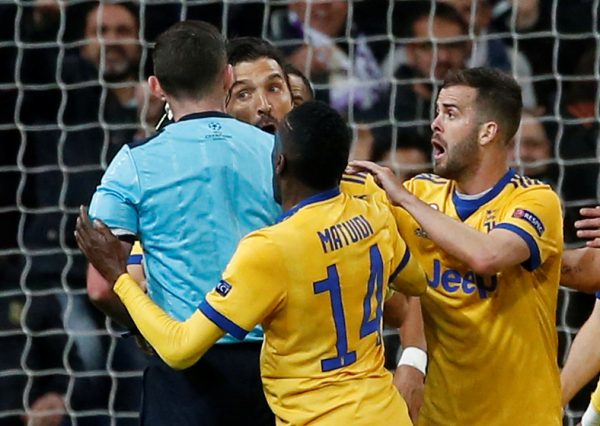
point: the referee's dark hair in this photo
(498, 97)
(316, 144)
(189, 59)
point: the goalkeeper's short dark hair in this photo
(248, 49)
(189, 59)
(316, 143)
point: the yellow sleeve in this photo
(136, 255)
(407, 275)
(535, 215)
(252, 288)
(362, 185)
(596, 398)
(179, 344)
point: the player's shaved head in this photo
(315, 141)
(498, 97)
(189, 59)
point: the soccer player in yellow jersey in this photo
(258, 97)
(490, 242)
(581, 271)
(315, 281)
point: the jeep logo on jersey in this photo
(214, 126)
(531, 218)
(452, 281)
(223, 288)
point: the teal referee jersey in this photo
(190, 193)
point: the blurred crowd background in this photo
(72, 92)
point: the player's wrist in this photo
(591, 417)
(414, 357)
(122, 282)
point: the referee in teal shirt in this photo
(190, 193)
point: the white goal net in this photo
(72, 93)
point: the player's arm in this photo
(581, 267)
(101, 294)
(407, 275)
(135, 264)
(250, 293)
(588, 228)
(485, 254)
(583, 361)
(114, 202)
(394, 309)
(409, 377)
(409, 278)
(179, 344)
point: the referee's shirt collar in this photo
(204, 114)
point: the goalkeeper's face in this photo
(260, 94)
(117, 53)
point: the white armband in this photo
(591, 417)
(415, 357)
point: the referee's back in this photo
(191, 193)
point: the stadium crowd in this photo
(76, 97)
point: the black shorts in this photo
(222, 389)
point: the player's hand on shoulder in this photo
(589, 227)
(384, 177)
(100, 246)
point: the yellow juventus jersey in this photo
(361, 185)
(492, 341)
(136, 254)
(315, 281)
(596, 398)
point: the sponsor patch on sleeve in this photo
(223, 288)
(533, 220)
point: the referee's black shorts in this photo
(222, 389)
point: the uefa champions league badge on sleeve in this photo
(533, 220)
(223, 288)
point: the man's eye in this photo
(275, 89)
(243, 95)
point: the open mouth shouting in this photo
(267, 124)
(439, 147)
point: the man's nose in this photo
(264, 106)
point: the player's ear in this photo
(280, 165)
(156, 88)
(228, 78)
(488, 132)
